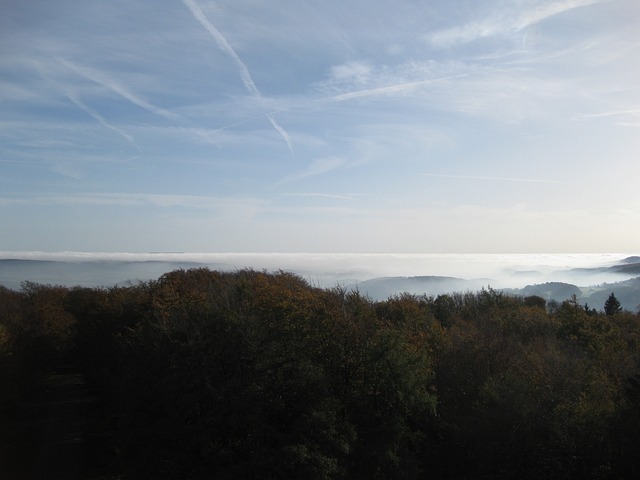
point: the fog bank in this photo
(321, 269)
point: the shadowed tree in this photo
(612, 305)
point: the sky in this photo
(501, 126)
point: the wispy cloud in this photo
(494, 179)
(506, 22)
(245, 76)
(136, 200)
(331, 196)
(317, 167)
(358, 73)
(116, 87)
(631, 112)
(352, 81)
(623, 118)
(549, 10)
(187, 135)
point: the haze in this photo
(325, 270)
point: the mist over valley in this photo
(591, 277)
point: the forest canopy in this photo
(205, 374)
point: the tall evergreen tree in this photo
(612, 305)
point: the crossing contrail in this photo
(245, 76)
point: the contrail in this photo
(397, 88)
(99, 118)
(199, 15)
(282, 132)
(245, 76)
(386, 90)
(379, 91)
(114, 86)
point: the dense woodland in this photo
(204, 374)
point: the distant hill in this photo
(587, 283)
(627, 292)
(632, 259)
(628, 266)
(381, 288)
(550, 290)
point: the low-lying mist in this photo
(320, 269)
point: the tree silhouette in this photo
(612, 305)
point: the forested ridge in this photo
(205, 374)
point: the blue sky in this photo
(334, 126)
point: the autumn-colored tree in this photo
(252, 374)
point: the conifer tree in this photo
(612, 305)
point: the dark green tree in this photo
(612, 305)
